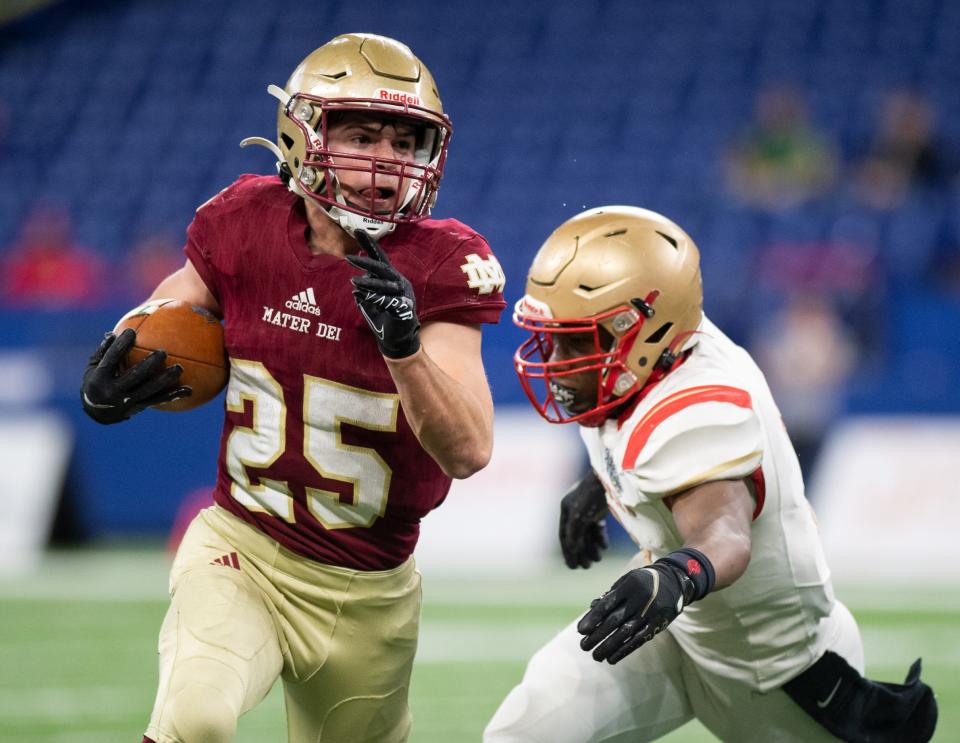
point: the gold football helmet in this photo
(365, 73)
(620, 273)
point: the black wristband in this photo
(697, 567)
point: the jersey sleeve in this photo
(694, 436)
(199, 250)
(466, 287)
(218, 225)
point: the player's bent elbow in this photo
(467, 463)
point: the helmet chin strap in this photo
(351, 222)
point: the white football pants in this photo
(567, 697)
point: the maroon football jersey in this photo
(316, 450)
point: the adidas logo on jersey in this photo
(304, 301)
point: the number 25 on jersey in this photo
(326, 405)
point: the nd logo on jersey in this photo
(486, 276)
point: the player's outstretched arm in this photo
(437, 369)
(714, 519)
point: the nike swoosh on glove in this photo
(385, 299)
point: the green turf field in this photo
(77, 648)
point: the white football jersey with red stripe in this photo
(713, 418)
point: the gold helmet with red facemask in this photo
(367, 74)
(629, 279)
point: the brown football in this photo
(191, 336)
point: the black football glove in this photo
(111, 396)
(386, 301)
(583, 531)
(643, 602)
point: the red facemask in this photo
(532, 362)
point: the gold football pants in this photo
(245, 611)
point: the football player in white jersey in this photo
(687, 450)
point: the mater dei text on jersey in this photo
(300, 324)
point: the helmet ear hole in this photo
(658, 334)
(287, 140)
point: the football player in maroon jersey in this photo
(356, 393)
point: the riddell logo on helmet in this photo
(397, 96)
(533, 308)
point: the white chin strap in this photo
(352, 222)
(349, 221)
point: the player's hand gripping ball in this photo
(165, 354)
(192, 339)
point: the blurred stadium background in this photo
(811, 149)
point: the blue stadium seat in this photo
(555, 105)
